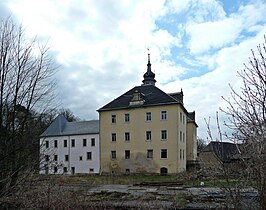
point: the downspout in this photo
(69, 155)
(100, 165)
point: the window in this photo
(55, 157)
(184, 119)
(163, 115)
(184, 137)
(91, 169)
(113, 118)
(180, 135)
(127, 170)
(47, 158)
(163, 153)
(180, 155)
(47, 144)
(148, 135)
(113, 154)
(181, 117)
(93, 142)
(55, 170)
(150, 153)
(80, 158)
(65, 143)
(84, 142)
(65, 169)
(66, 157)
(127, 136)
(89, 155)
(55, 144)
(46, 168)
(148, 116)
(113, 136)
(183, 154)
(72, 142)
(163, 134)
(127, 154)
(72, 170)
(127, 119)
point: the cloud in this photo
(101, 47)
(204, 94)
(196, 10)
(209, 35)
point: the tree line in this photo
(27, 103)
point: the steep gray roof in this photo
(223, 150)
(191, 118)
(61, 127)
(150, 94)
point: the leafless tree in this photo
(68, 114)
(201, 144)
(247, 119)
(26, 84)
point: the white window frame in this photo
(113, 118)
(65, 142)
(89, 155)
(127, 117)
(148, 116)
(46, 144)
(93, 142)
(163, 134)
(127, 136)
(84, 142)
(150, 153)
(127, 154)
(113, 154)
(164, 115)
(164, 151)
(113, 137)
(148, 135)
(73, 142)
(55, 143)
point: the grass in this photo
(111, 179)
(137, 179)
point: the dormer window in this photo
(136, 99)
(136, 96)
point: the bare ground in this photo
(89, 193)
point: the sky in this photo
(101, 48)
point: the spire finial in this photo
(149, 75)
(149, 60)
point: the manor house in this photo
(145, 130)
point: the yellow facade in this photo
(145, 130)
(131, 139)
(191, 141)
